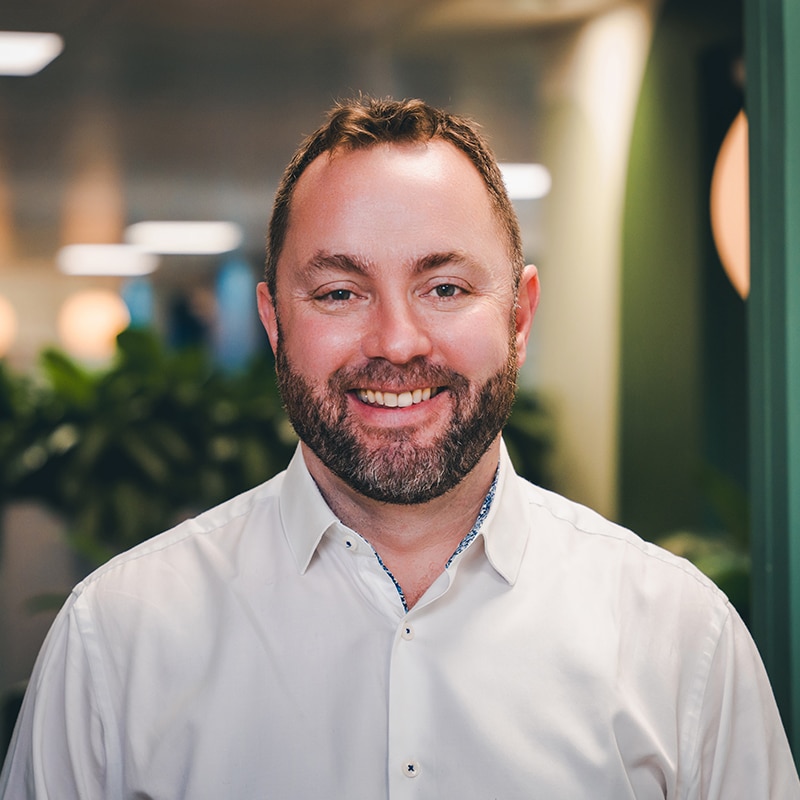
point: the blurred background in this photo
(613, 115)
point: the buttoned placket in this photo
(407, 771)
(408, 766)
(406, 714)
(405, 763)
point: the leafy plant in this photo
(126, 452)
(529, 438)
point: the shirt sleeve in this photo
(58, 749)
(743, 752)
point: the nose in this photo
(396, 333)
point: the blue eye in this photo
(446, 290)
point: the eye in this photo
(447, 290)
(337, 295)
(445, 293)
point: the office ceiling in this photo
(187, 109)
(309, 20)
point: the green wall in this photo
(683, 348)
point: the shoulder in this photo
(614, 559)
(167, 600)
(208, 544)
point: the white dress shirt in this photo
(261, 651)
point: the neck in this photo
(413, 541)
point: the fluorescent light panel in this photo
(185, 238)
(105, 259)
(526, 181)
(26, 53)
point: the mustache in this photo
(379, 372)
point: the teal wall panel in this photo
(773, 104)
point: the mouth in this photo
(411, 397)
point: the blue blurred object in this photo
(137, 294)
(236, 330)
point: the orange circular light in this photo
(8, 325)
(730, 211)
(89, 321)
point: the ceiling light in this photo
(185, 238)
(105, 259)
(26, 53)
(526, 181)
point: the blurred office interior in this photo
(187, 111)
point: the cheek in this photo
(476, 346)
(481, 361)
(319, 346)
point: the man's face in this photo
(396, 338)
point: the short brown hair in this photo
(364, 122)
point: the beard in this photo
(393, 467)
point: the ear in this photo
(268, 314)
(527, 301)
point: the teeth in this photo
(395, 399)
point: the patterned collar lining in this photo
(482, 514)
(463, 545)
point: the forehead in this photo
(433, 158)
(404, 196)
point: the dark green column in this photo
(772, 33)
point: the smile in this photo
(395, 399)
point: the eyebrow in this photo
(435, 260)
(322, 261)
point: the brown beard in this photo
(398, 470)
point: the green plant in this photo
(529, 438)
(126, 452)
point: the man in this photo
(398, 614)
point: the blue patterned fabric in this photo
(463, 545)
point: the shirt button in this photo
(350, 543)
(410, 769)
(407, 632)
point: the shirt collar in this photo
(306, 517)
(506, 528)
(304, 513)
